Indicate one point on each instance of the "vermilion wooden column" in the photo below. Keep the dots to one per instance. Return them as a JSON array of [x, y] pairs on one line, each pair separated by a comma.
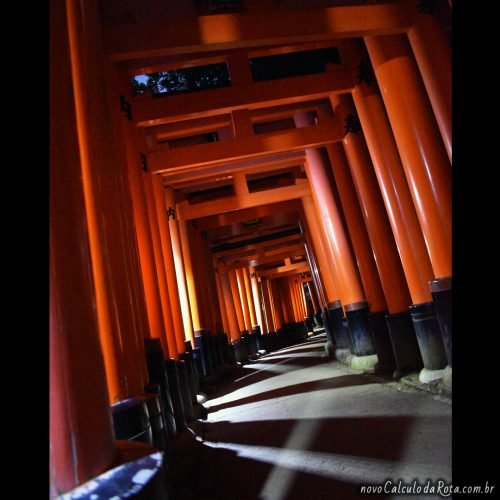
[[378, 227], [428, 173], [222, 305], [234, 329], [431, 47], [278, 308], [238, 343], [236, 300], [108, 204], [248, 291], [256, 296], [333, 313], [200, 271], [322, 250], [168, 340], [357, 230], [301, 314], [314, 299], [302, 298], [289, 300], [402, 217], [166, 243], [211, 301], [81, 435], [268, 306], [283, 288], [188, 270], [352, 294], [243, 299], [264, 325], [424, 159], [318, 286], [179, 270]]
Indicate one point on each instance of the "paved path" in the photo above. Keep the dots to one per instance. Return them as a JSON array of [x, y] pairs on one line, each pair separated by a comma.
[[295, 425]]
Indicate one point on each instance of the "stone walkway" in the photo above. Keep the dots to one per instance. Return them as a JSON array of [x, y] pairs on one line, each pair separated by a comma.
[[296, 425]]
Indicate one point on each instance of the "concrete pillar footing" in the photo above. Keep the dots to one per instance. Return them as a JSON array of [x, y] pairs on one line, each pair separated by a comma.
[[366, 363], [426, 376], [343, 355]]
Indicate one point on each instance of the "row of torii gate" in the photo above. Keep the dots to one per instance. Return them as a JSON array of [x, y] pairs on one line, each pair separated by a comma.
[[359, 234]]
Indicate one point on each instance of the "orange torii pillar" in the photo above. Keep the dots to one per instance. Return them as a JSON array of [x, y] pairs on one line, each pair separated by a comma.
[[302, 297], [82, 439], [222, 304], [402, 217], [81, 435], [224, 336], [352, 294], [168, 341], [166, 243], [201, 335], [199, 264], [301, 314], [278, 308], [185, 359], [357, 230], [288, 289], [119, 300], [234, 315], [283, 287], [432, 51], [260, 326], [244, 298], [272, 340], [382, 242], [209, 297], [268, 312], [428, 173], [332, 314], [179, 266], [255, 328]]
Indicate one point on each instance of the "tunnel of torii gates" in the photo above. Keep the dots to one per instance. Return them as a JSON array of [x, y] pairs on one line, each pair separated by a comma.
[[325, 201]]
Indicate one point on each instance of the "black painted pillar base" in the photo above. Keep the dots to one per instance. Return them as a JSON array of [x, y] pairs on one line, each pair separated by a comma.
[[157, 416], [309, 323], [429, 341], [257, 333], [175, 393], [330, 342], [185, 391], [281, 337], [318, 320], [212, 350], [251, 344], [441, 290], [158, 375], [404, 343], [224, 347], [359, 330], [240, 350], [336, 318], [232, 354], [187, 357], [131, 420], [381, 338], [202, 344], [273, 341], [198, 368], [219, 355]]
